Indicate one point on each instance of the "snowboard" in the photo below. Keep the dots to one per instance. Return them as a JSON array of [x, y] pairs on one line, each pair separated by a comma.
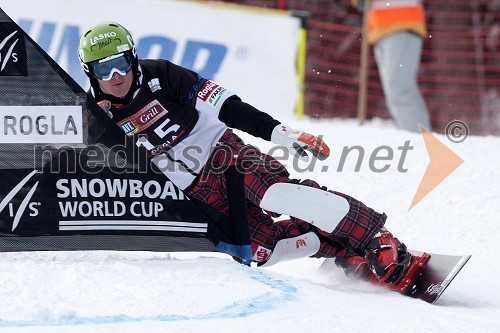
[[436, 276], [432, 279]]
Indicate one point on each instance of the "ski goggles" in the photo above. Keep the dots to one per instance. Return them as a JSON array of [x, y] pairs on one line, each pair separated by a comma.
[[104, 69]]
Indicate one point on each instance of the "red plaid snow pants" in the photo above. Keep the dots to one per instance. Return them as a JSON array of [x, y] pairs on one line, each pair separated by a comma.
[[261, 171]]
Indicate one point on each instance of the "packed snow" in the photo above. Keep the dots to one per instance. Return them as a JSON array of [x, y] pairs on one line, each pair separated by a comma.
[[208, 292]]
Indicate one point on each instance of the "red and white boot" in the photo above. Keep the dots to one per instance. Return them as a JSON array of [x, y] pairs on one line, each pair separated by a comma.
[[393, 266], [387, 256], [386, 262]]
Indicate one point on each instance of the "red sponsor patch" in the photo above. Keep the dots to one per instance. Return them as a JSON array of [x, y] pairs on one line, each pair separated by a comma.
[[145, 117], [206, 90], [261, 254]]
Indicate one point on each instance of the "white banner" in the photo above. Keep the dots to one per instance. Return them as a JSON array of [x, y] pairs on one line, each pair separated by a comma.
[[251, 52], [41, 124]]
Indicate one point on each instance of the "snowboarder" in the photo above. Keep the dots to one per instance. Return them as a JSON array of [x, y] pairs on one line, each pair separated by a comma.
[[184, 121]]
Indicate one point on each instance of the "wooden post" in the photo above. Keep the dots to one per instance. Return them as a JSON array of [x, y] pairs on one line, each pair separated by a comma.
[[364, 66]]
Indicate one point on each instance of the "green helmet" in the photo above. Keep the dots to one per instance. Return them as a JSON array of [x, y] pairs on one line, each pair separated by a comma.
[[104, 40]]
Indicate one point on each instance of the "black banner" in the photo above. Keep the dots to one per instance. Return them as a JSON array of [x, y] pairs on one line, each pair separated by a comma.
[[128, 211], [35, 203]]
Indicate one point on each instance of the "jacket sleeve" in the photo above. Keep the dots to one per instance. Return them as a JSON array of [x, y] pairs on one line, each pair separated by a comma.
[[240, 115]]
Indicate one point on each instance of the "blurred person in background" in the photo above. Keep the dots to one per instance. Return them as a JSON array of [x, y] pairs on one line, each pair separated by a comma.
[[396, 29]]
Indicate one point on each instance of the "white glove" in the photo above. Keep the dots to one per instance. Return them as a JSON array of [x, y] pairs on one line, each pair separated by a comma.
[[298, 142]]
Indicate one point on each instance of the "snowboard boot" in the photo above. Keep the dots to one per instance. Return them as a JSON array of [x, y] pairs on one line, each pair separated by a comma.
[[391, 263], [353, 265], [387, 256]]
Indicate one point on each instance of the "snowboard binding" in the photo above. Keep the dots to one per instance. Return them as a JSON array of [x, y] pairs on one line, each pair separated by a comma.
[[386, 262]]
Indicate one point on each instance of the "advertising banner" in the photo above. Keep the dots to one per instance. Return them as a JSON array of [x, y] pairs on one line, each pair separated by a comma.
[[251, 52], [42, 210], [41, 124]]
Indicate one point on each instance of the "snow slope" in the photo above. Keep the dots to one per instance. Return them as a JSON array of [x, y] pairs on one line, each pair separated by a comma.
[[207, 292]]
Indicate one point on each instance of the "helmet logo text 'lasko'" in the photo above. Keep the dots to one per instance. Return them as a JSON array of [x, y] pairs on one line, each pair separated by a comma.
[[108, 35]]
